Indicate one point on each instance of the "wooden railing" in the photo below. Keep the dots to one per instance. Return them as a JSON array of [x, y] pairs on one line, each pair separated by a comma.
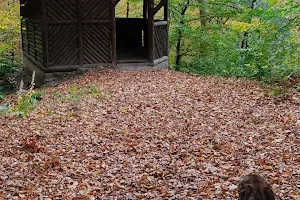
[[160, 39]]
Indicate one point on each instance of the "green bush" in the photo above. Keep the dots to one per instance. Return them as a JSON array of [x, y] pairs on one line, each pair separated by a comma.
[[7, 67], [272, 53], [10, 45], [26, 103]]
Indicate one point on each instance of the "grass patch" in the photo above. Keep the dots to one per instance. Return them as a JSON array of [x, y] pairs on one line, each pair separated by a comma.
[[77, 92], [24, 105]]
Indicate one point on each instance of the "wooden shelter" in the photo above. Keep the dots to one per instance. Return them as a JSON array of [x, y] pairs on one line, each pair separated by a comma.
[[66, 35]]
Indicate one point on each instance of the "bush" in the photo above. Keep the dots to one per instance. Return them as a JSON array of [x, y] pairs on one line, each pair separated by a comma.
[[25, 104], [269, 29], [10, 45]]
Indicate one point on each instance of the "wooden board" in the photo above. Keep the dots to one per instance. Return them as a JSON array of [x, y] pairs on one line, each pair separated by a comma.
[[97, 19], [160, 40], [79, 32], [32, 40]]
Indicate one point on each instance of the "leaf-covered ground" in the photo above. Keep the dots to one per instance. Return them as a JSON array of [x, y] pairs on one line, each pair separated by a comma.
[[153, 135]]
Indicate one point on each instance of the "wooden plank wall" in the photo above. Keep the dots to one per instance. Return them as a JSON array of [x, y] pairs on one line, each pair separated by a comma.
[[160, 40], [32, 44], [62, 34], [97, 22], [79, 32]]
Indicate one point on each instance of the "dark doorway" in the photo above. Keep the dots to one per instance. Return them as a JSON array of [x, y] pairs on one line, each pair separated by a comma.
[[130, 40], [131, 33]]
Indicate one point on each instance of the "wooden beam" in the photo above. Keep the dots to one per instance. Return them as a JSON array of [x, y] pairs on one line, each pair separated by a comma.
[[159, 6], [150, 31], [166, 11], [166, 18], [116, 2], [79, 32], [145, 7], [44, 35], [161, 23], [113, 34]]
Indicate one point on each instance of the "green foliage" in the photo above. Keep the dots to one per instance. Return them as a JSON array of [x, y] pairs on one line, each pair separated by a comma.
[[7, 67], [25, 104], [273, 52], [5, 88], [76, 92], [10, 46], [215, 48]]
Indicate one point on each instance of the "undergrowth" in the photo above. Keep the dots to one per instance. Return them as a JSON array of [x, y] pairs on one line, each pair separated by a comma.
[[77, 92], [24, 104]]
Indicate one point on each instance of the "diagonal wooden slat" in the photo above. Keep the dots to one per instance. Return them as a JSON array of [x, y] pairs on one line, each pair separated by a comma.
[[53, 12], [95, 9], [68, 55], [160, 41], [59, 35], [61, 10], [159, 6], [104, 32], [97, 44], [67, 6], [63, 45], [88, 7], [97, 51], [103, 14]]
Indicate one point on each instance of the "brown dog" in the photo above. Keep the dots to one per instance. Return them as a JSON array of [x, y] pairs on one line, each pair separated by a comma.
[[254, 187]]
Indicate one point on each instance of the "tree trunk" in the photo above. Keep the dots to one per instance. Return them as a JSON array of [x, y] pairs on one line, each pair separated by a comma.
[[178, 49], [246, 34], [179, 40], [203, 12]]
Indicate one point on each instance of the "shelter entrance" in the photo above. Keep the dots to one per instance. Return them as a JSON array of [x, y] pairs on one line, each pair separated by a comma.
[[137, 30], [131, 40]]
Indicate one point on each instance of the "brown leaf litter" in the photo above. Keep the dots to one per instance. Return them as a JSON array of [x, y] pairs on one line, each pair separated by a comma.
[[154, 135]]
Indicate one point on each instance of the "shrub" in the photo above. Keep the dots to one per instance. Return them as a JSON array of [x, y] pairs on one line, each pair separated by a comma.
[[10, 45]]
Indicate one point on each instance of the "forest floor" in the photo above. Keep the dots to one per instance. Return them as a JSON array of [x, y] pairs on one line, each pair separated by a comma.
[[150, 135]]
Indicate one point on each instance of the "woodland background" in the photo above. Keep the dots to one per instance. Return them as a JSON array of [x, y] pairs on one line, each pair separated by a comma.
[[257, 39]]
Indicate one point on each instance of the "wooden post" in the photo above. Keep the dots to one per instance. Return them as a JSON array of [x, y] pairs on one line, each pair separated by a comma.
[[166, 18], [34, 39], [145, 6], [27, 32], [44, 30], [159, 5], [166, 11], [113, 34], [145, 16], [150, 30], [79, 32]]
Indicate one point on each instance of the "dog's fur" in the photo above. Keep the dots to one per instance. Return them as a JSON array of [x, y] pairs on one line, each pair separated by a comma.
[[254, 187]]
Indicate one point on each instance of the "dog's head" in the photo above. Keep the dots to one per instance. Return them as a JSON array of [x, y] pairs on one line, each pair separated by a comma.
[[254, 187]]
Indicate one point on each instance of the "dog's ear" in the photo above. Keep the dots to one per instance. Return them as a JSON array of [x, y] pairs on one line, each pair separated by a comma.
[[269, 193], [244, 191]]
